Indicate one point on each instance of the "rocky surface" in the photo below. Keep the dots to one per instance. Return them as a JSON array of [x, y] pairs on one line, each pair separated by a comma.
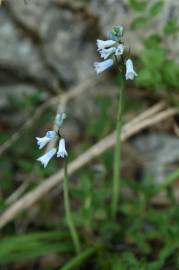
[[50, 44], [160, 155], [59, 38]]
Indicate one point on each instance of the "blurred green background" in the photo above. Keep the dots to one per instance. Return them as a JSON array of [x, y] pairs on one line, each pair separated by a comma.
[[47, 49]]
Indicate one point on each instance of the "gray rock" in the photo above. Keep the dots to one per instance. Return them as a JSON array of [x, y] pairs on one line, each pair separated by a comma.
[[160, 153], [19, 56], [30, 15], [50, 44], [63, 37], [114, 12], [63, 48]]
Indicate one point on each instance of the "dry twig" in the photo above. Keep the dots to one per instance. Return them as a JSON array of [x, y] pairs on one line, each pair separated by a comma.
[[17, 193], [33, 196], [149, 112]]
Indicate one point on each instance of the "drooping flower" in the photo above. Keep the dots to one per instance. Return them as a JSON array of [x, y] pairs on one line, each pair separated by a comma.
[[41, 142], [130, 73], [102, 44], [119, 50], [61, 149], [105, 53], [101, 66], [47, 157]]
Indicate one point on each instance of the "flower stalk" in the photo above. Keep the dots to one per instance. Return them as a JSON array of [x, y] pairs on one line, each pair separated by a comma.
[[113, 51], [117, 149], [70, 223]]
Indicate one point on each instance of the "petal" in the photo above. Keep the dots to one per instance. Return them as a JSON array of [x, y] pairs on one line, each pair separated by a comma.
[[101, 44], [101, 66], [41, 142], [47, 157], [61, 149], [51, 134]]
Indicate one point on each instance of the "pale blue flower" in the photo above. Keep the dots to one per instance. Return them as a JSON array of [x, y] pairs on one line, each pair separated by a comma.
[[60, 117], [61, 149], [102, 44], [47, 157], [105, 53], [101, 66], [111, 36], [41, 142], [119, 50], [51, 134], [130, 73]]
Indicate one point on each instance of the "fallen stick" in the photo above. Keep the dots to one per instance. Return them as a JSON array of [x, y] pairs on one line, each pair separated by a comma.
[[33, 196], [147, 113]]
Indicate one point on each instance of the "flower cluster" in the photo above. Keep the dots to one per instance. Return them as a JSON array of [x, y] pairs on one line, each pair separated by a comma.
[[112, 51], [49, 136]]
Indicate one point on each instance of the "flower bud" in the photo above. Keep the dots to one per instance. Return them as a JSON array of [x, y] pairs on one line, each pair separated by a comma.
[[118, 31]]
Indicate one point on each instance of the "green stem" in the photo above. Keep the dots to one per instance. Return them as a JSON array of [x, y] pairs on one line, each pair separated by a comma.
[[75, 263], [168, 180], [117, 151], [71, 226]]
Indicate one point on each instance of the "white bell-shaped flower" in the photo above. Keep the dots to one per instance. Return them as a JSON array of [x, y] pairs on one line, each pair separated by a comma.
[[130, 73], [61, 149], [41, 142], [105, 53], [119, 50], [102, 44], [101, 66], [47, 157]]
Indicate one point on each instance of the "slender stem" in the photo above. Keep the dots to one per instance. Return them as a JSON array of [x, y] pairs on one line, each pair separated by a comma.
[[117, 150], [168, 180], [71, 226], [76, 262]]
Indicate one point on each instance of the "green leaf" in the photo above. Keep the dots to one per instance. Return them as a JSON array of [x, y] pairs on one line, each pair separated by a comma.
[[153, 58], [171, 27], [23, 247], [144, 78], [171, 74], [25, 165], [152, 41], [138, 23], [148, 78], [156, 8], [137, 5]]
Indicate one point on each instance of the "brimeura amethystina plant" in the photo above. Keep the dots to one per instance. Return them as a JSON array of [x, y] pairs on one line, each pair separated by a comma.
[[60, 152], [113, 51]]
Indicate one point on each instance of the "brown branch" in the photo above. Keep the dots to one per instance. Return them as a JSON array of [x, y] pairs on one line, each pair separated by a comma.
[[149, 112]]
